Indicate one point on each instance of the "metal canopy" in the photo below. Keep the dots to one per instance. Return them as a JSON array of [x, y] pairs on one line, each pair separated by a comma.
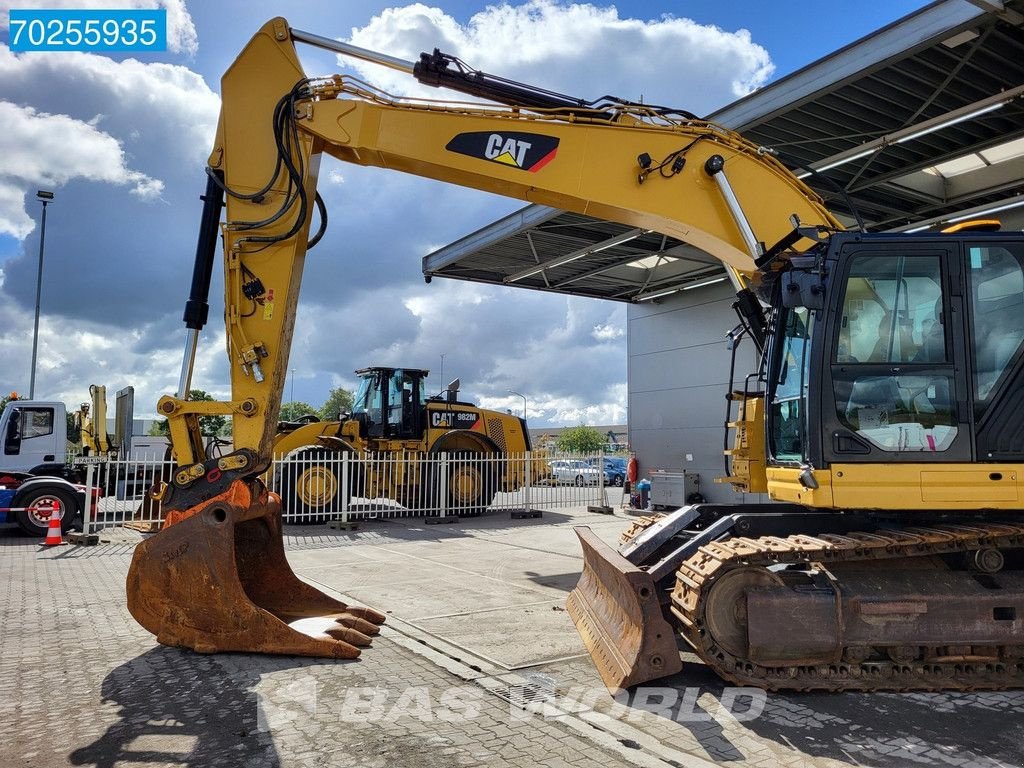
[[908, 127]]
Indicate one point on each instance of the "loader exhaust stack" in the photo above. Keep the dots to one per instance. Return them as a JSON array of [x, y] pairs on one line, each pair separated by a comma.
[[216, 579], [616, 610]]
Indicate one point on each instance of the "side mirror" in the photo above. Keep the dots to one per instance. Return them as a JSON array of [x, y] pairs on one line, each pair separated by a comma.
[[453, 390], [12, 440]]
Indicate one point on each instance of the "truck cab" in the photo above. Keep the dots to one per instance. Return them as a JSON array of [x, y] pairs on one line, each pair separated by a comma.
[[35, 434]]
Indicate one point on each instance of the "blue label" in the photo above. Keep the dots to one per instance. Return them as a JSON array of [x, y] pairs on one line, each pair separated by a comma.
[[88, 30]]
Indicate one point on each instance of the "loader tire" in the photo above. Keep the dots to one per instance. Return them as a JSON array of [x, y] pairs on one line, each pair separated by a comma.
[[423, 496], [311, 487], [471, 484]]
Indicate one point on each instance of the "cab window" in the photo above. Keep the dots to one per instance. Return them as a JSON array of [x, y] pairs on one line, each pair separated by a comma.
[[892, 313], [997, 312], [36, 422], [789, 401]]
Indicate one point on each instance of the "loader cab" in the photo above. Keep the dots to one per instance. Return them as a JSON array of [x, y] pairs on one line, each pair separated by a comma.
[[391, 402], [913, 353]]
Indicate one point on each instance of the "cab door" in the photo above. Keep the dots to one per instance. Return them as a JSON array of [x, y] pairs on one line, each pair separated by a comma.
[[895, 387], [995, 292]]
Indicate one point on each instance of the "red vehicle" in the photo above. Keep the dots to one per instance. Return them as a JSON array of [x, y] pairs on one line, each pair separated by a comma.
[[28, 501]]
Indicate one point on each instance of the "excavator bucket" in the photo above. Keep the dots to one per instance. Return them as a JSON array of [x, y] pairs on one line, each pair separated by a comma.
[[616, 610], [215, 579]]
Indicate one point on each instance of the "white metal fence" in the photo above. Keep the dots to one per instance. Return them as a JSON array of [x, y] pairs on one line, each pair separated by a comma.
[[318, 486]]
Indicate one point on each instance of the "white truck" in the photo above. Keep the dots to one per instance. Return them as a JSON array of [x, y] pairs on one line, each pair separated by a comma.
[[34, 462]]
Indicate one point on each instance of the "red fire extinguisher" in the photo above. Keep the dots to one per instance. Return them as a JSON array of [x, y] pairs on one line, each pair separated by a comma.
[[631, 469]]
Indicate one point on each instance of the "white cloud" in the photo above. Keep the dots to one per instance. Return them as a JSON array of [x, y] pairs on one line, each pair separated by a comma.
[[581, 49], [181, 31], [170, 105], [117, 268], [14, 220], [50, 150], [607, 332]]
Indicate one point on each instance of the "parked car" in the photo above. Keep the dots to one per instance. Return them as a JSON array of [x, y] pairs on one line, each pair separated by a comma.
[[614, 470], [573, 472]]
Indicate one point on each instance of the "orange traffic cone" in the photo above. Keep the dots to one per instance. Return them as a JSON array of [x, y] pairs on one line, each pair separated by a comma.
[[54, 535]]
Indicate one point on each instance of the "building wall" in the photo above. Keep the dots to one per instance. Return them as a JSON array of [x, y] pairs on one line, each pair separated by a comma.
[[678, 375]]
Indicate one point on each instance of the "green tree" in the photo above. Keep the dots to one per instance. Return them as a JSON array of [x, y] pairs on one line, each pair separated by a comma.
[[580, 440], [338, 402], [74, 431], [295, 410], [208, 425]]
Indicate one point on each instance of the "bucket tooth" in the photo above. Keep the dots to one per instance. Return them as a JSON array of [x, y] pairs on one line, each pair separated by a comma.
[[216, 579], [616, 610]]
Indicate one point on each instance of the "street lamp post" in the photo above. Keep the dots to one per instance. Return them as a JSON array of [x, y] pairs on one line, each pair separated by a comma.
[[45, 198], [517, 394]]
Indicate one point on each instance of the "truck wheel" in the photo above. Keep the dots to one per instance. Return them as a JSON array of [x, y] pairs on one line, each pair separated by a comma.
[[36, 523], [471, 484], [311, 487]]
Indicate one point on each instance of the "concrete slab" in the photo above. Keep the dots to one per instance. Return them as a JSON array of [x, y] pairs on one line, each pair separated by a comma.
[[428, 591], [487, 633], [545, 570]]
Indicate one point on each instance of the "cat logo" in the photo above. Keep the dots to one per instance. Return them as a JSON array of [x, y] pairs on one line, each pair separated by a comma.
[[526, 151], [453, 419]]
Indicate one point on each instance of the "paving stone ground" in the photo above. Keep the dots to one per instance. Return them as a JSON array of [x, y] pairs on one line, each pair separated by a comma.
[[82, 684]]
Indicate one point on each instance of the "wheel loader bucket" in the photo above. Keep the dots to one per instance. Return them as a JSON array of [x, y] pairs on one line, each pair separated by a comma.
[[616, 610], [215, 579]]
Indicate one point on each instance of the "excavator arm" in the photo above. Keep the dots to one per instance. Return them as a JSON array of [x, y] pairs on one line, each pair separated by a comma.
[[215, 578]]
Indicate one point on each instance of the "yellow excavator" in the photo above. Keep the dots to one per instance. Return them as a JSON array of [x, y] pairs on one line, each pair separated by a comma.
[[883, 422], [395, 430]]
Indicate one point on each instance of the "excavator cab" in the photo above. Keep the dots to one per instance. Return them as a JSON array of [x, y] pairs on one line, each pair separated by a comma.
[[892, 363]]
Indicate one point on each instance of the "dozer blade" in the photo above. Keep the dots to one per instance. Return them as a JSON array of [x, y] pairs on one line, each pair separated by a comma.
[[616, 611], [216, 579]]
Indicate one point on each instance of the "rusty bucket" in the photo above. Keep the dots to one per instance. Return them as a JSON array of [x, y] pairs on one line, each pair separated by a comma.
[[616, 610], [215, 579]]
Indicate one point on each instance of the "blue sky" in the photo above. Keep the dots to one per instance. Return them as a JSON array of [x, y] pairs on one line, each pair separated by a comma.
[[122, 143], [795, 32]]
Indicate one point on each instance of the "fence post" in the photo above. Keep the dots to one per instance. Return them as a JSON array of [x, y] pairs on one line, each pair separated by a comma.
[[345, 494], [89, 498], [602, 500], [529, 479], [442, 501]]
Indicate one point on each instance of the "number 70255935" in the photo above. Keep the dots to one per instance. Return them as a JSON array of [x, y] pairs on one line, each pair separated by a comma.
[[95, 30]]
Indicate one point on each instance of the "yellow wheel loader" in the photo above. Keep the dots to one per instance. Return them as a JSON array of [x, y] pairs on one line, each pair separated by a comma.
[[396, 434], [883, 421]]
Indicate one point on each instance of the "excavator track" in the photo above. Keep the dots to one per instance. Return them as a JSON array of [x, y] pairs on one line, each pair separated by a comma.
[[949, 667]]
